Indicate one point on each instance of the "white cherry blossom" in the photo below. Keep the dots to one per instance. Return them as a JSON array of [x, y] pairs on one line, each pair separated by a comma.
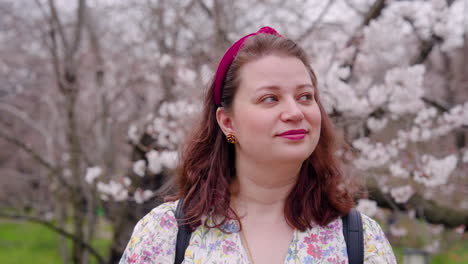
[[142, 196], [154, 162], [398, 171], [113, 189], [436, 171], [92, 173], [139, 167], [133, 134], [407, 90], [367, 207], [375, 124], [402, 194]]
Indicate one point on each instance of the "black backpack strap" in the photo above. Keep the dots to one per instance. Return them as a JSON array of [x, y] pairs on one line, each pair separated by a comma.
[[353, 235], [183, 234]]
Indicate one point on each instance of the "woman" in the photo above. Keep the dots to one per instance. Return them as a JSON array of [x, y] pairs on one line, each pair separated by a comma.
[[259, 177]]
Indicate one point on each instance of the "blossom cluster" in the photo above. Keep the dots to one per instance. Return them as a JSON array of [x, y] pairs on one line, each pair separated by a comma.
[[402, 194], [367, 207], [427, 126], [117, 190], [157, 162], [168, 130], [435, 171]]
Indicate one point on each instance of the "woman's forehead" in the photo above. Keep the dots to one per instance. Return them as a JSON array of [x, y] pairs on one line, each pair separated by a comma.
[[275, 72]]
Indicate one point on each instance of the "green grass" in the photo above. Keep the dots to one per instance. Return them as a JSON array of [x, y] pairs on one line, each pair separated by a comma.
[[456, 254], [22, 242], [27, 243]]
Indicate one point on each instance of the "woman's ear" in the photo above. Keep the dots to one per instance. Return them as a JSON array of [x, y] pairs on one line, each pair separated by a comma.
[[225, 121]]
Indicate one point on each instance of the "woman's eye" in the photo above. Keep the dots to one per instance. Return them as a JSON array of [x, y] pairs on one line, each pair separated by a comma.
[[269, 99], [306, 97]]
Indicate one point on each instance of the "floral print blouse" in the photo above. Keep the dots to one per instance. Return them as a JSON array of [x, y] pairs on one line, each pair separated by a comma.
[[154, 241]]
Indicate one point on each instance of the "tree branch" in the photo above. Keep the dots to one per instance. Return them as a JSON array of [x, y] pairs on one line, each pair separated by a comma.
[[428, 210], [55, 23], [205, 8], [428, 45], [54, 170], [30, 151], [315, 23], [53, 49], [96, 48], [78, 30], [426, 48], [23, 116], [374, 12], [352, 6], [439, 107], [355, 39]]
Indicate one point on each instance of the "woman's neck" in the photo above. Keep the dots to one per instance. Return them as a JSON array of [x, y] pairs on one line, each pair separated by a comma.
[[262, 189]]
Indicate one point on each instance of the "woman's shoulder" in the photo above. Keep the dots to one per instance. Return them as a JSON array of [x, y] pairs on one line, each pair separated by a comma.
[[371, 228], [162, 216], [164, 209], [154, 236], [377, 249], [369, 224]]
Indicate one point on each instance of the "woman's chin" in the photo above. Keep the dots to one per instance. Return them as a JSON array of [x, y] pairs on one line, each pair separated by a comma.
[[292, 157]]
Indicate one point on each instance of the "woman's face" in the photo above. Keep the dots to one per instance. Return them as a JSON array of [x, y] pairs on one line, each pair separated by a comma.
[[274, 115]]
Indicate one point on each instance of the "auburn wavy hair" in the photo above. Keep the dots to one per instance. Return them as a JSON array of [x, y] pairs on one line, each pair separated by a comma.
[[207, 168]]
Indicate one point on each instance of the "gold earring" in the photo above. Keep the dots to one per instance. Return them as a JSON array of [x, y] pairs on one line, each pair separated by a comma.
[[231, 139]]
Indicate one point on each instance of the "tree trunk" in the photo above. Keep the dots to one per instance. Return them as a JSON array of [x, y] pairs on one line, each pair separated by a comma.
[[62, 216]]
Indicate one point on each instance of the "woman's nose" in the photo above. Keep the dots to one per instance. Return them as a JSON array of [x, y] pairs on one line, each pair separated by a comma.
[[292, 111]]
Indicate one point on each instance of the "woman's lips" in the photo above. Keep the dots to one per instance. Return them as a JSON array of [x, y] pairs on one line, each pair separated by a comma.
[[296, 134]]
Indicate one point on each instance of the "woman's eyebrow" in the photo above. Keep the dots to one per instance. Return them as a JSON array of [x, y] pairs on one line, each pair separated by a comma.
[[268, 87], [305, 86], [275, 87]]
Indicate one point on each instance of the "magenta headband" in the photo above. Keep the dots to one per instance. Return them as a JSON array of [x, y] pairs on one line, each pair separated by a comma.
[[229, 57]]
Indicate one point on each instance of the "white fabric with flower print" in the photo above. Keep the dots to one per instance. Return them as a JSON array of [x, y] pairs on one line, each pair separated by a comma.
[[154, 240]]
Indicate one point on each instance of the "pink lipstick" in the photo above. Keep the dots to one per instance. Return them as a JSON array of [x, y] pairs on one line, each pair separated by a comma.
[[296, 134]]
